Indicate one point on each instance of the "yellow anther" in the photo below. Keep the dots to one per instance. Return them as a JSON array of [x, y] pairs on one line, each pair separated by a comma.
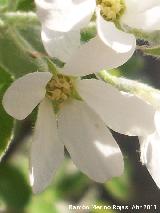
[[111, 10], [59, 88]]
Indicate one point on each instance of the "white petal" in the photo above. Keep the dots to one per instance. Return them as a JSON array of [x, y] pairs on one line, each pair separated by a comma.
[[63, 15], [25, 94], [150, 156], [113, 37], [148, 20], [93, 57], [157, 121], [89, 142], [136, 6], [47, 151], [60, 44], [122, 112]]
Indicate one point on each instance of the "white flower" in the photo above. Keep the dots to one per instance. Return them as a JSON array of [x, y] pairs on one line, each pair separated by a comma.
[[79, 125], [136, 14], [150, 151], [62, 21]]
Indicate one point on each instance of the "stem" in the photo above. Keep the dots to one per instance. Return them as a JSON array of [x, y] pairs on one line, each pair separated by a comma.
[[141, 90], [20, 19]]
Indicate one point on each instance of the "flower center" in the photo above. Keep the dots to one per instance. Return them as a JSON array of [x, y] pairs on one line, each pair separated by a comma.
[[59, 88], [111, 10]]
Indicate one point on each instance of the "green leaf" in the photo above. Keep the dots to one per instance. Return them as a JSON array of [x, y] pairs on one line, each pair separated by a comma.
[[6, 122], [3, 2], [17, 55], [14, 190], [132, 67], [44, 202], [21, 5], [25, 5], [120, 187], [72, 186], [14, 59]]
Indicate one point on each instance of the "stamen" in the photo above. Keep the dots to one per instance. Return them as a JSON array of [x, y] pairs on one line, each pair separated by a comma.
[[111, 10], [59, 88]]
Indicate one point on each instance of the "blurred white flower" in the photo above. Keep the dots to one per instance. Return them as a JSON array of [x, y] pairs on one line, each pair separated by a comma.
[[79, 124], [62, 21], [150, 151]]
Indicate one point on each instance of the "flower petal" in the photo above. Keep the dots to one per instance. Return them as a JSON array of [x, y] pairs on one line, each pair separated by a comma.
[[148, 20], [150, 156], [157, 121], [47, 151], [93, 57], [63, 15], [25, 94], [124, 113], [60, 44], [136, 6], [89, 142], [118, 40]]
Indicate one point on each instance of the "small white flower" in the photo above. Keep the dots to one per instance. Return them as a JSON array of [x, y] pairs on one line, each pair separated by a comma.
[[62, 21], [136, 14], [150, 151], [79, 125]]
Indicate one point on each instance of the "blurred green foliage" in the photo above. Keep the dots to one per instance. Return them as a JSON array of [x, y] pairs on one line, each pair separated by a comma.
[[23, 5], [14, 190], [120, 187]]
